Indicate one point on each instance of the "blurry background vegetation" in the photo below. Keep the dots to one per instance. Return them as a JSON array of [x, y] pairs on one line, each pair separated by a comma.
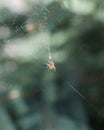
[[33, 98]]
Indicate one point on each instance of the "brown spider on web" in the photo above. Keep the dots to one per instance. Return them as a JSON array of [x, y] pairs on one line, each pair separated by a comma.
[[51, 65]]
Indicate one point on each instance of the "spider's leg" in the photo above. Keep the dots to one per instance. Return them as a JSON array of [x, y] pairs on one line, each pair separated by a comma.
[[54, 68], [47, 66]]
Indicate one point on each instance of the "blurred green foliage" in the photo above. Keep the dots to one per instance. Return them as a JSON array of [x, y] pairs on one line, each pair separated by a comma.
[[32, 96]]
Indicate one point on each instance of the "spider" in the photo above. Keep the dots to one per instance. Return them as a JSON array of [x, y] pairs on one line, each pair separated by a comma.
[[51, 65]]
